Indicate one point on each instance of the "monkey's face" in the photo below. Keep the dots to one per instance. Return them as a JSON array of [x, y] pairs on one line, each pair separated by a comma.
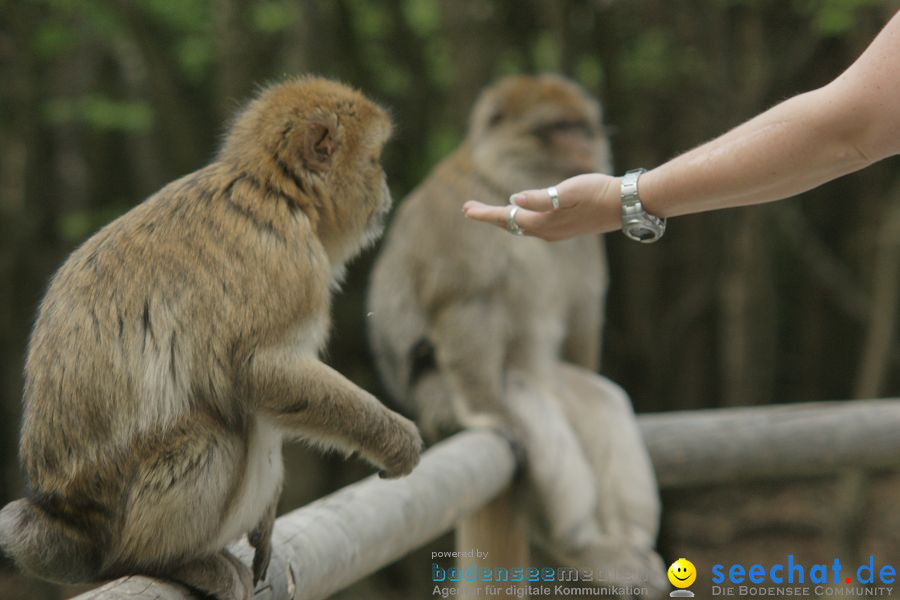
[[359, 198], [367, 198], [381, 202], [326, 139], [536, 131]]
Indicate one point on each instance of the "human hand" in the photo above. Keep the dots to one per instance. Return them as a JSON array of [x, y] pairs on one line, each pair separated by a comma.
[[587, 204]]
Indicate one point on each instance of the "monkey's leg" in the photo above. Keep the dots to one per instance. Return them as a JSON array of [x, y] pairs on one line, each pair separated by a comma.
[[600, 413], [625, 563], [176, 505], [629, 507], [320, 404], [470, 350], [222, 576], [261, 539], [556, 465], [582, 345]]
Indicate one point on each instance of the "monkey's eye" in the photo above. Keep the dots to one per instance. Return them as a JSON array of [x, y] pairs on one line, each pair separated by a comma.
[[495, 119], [548, 130]]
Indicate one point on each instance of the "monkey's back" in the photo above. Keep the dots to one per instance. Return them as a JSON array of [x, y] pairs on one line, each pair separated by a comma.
[[142, 328]]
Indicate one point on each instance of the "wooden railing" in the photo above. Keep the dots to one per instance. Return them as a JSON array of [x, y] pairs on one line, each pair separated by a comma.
[[327, 545]]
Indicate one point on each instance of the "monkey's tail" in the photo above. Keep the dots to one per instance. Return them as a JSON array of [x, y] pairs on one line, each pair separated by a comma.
[[46, 546]]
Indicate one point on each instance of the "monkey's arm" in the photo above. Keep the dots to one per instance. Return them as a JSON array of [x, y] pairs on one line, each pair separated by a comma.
[[304, 395]]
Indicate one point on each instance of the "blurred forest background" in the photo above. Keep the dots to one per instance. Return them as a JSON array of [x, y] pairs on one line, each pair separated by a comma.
[[104, 101]]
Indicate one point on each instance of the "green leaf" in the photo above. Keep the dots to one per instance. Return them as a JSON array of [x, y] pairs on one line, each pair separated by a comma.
[[53, 38], [589, 72], [546, 52], [76, 225], [443, 140], [837, 17], [369, 19], [442, 67], [273, 16], [649, 62], [508, 62], [424, 16], [106, 113], [185, 15], [195, 55], [101, 112]]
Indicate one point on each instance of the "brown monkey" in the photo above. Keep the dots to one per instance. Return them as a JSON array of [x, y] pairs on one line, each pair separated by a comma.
[[469, 323], [178, 346], [526, 302]]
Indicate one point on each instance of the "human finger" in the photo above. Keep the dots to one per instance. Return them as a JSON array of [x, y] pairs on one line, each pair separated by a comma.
[[543, 200], [486, 213], [528, 221]]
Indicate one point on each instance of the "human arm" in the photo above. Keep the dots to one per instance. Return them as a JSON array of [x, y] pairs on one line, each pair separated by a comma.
[[797, 145]]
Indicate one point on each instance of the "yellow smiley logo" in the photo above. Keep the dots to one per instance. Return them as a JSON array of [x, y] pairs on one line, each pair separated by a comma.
[[682, 573]]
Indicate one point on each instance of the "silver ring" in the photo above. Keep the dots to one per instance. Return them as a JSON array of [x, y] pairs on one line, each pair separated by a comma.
[[511, 224], [554, 196]]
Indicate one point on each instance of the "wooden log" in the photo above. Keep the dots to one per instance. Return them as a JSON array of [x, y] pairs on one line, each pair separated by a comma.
[[341, 538], [708, 447], [501, 530]]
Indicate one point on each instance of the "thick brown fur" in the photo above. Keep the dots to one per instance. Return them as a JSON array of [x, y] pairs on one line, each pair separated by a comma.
[[178, 346], [469, 322]]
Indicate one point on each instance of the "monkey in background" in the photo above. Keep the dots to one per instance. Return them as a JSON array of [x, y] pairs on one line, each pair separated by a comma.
[[469, 323], [177, 347], [526, 302]]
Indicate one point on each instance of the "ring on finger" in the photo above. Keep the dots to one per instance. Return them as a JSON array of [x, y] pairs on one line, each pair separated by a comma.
[[511, 224], [554, 196]]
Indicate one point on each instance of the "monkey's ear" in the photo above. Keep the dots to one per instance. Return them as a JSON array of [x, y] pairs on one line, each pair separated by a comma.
[[320, 142]]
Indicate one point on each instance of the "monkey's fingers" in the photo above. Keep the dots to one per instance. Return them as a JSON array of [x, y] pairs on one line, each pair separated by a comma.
[[404, 448]]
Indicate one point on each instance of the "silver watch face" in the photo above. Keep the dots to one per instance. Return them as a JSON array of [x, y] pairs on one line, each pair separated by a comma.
[[642, 234], [642, 230]]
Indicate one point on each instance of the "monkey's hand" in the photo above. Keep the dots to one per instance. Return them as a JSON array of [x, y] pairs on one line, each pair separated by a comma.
[[306, 395], [402, 450]]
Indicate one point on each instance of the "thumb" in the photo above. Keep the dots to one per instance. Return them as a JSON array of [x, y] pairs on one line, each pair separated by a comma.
[[536, 200]]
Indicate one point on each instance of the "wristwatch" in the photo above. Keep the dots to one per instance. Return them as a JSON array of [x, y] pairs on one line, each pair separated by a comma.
[[637, 223]]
